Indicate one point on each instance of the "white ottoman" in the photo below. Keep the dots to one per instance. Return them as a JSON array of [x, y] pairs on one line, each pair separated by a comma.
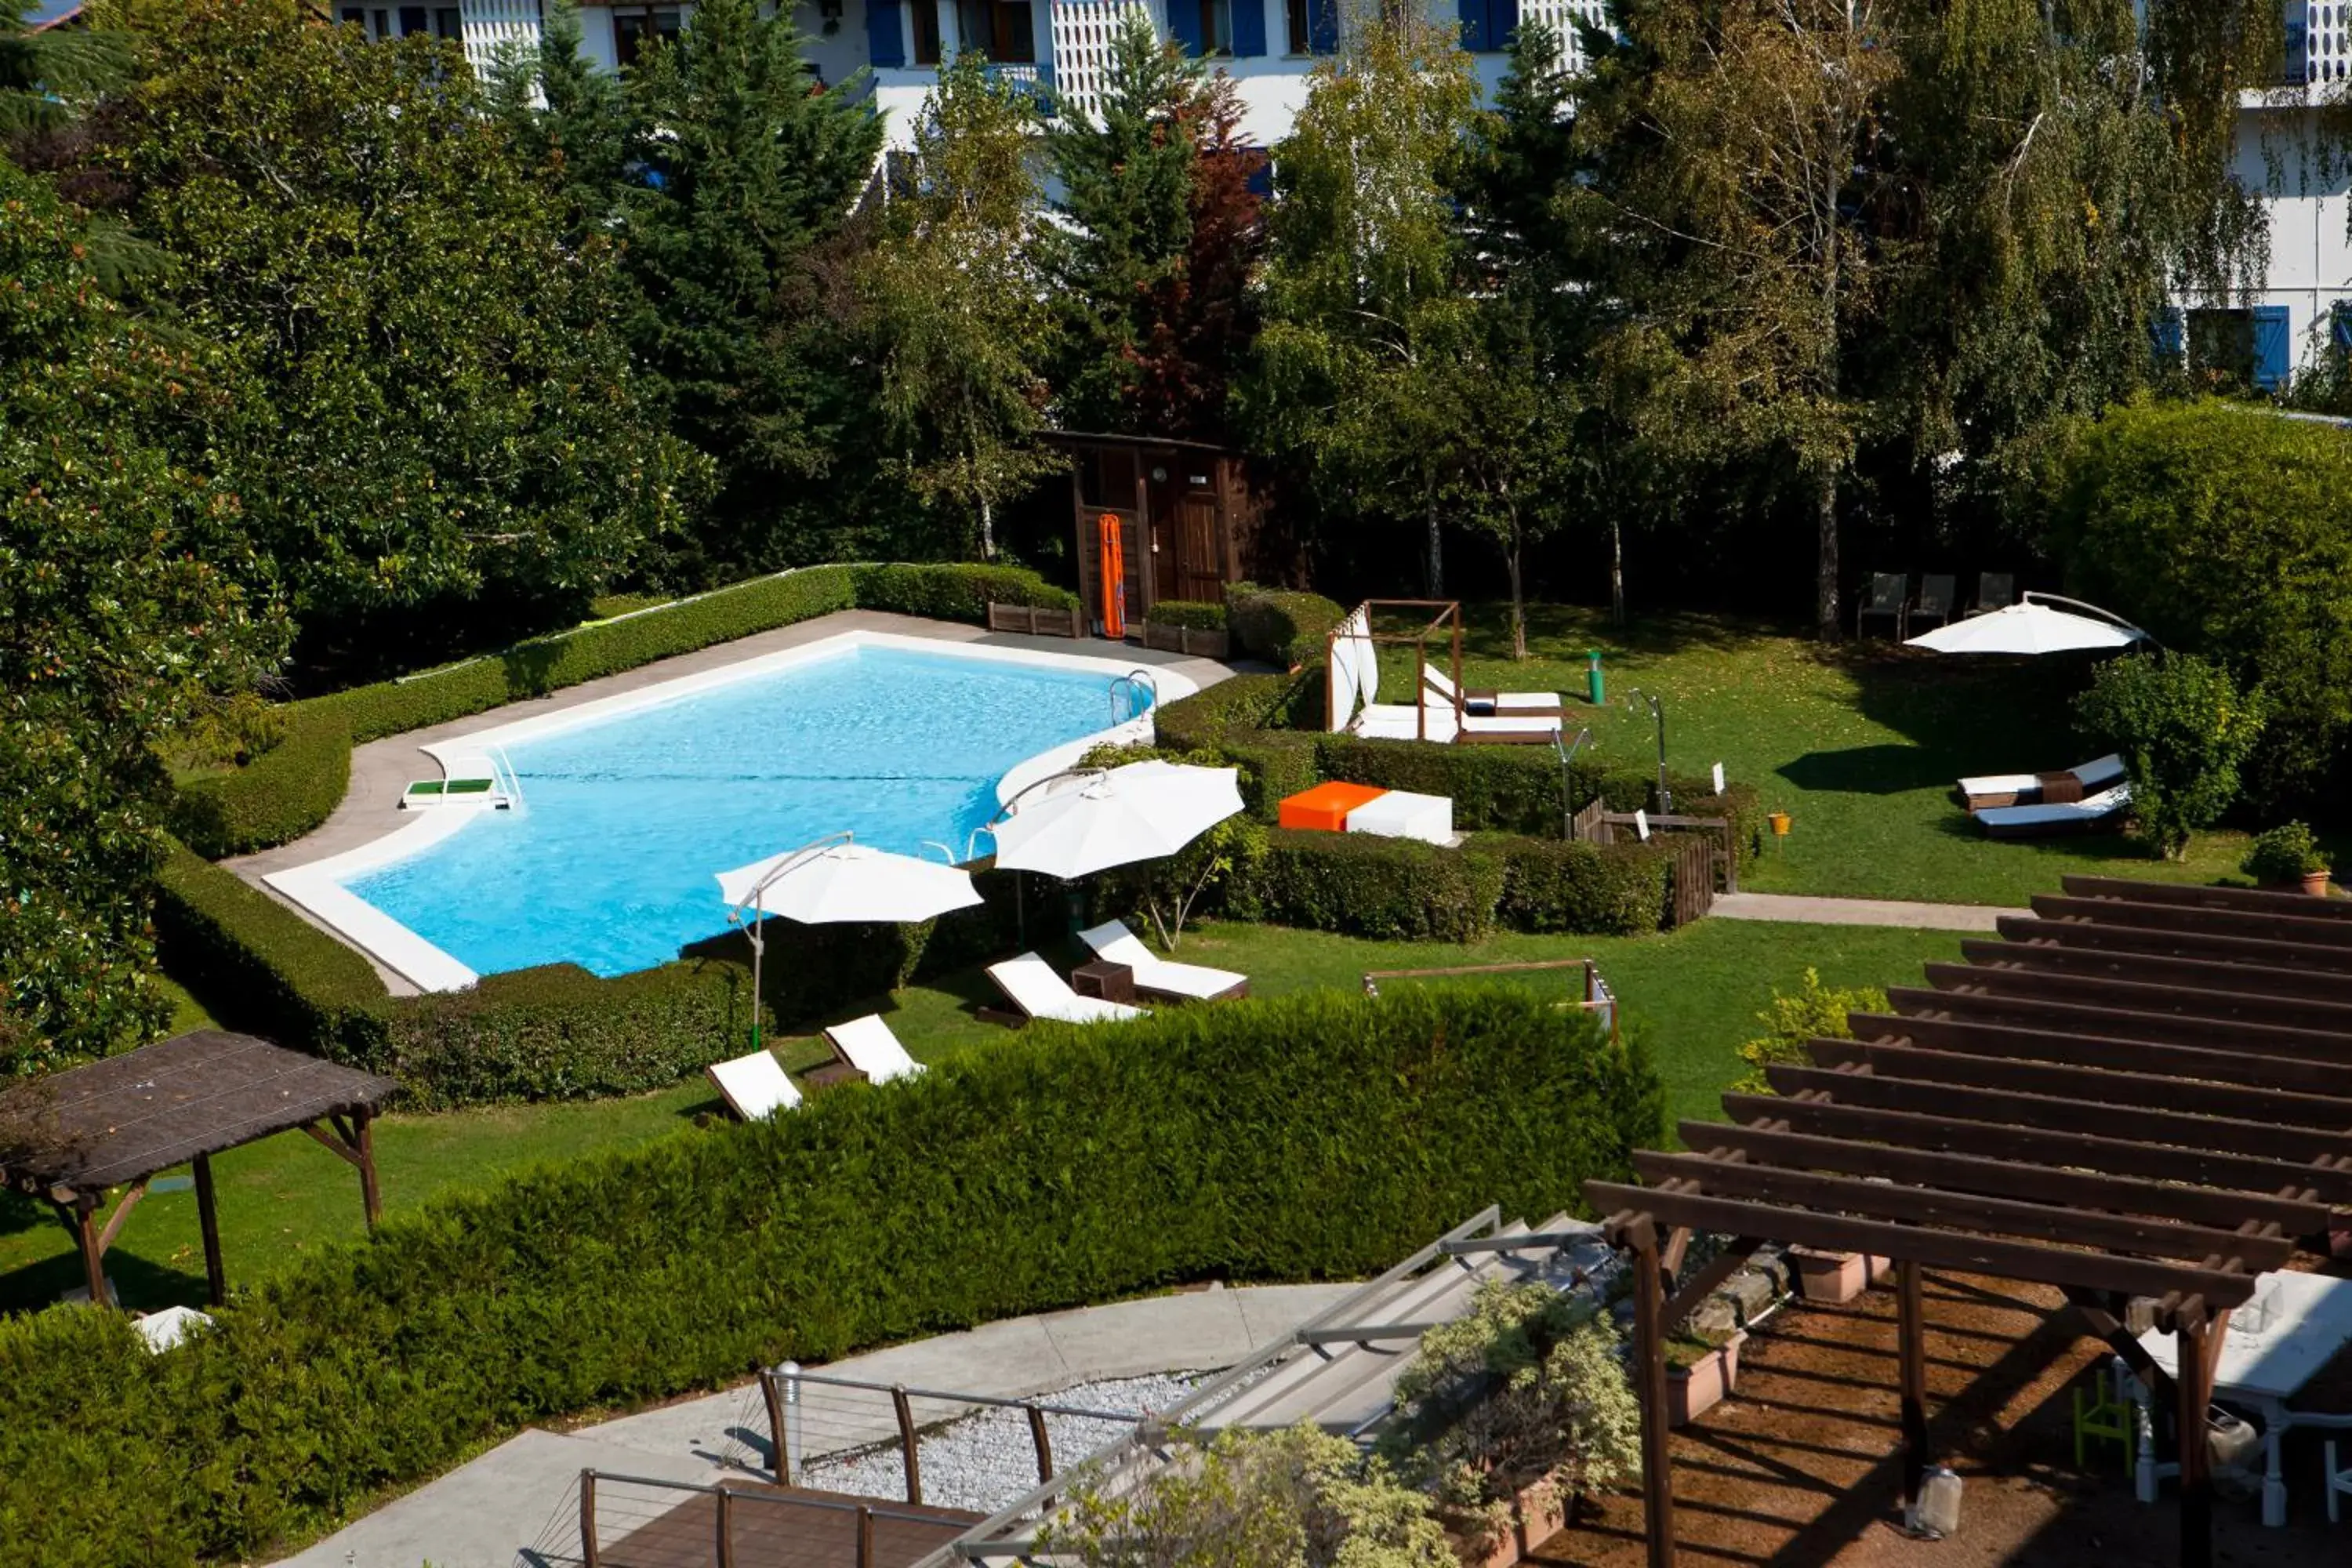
[[1400, 813]]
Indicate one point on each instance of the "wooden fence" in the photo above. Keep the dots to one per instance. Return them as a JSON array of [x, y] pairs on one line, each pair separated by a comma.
[[1705, 852]]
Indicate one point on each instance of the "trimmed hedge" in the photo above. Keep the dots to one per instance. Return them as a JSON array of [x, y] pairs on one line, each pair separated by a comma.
[[1589, 890], [1285, 628], [952, 593], [278, 796], [1393, 888], [1201, 614], [1315, 1137]]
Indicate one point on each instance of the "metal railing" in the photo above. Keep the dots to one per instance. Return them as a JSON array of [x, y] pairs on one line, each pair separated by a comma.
[[645, 1521], [1136, 683]]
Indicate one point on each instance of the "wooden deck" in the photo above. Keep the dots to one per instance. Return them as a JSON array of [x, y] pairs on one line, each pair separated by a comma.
[[781, 1527]]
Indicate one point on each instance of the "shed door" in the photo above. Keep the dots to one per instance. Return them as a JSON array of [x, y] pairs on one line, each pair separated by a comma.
[[1200, 567]]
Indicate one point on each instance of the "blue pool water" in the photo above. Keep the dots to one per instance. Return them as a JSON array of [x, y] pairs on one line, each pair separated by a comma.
[[609, 862]]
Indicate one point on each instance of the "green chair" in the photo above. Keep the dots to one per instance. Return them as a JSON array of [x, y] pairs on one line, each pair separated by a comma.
[[2101, 1412]]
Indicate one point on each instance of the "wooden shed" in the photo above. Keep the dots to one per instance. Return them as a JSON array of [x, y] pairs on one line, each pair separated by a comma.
[[1186, 516]]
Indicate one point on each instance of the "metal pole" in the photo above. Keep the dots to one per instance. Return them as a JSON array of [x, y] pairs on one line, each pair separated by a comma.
[[907, 1444], [726, 1512], [1665, 795], [759, 947], [864, 1537], [778, 1456], [1043, 1445]]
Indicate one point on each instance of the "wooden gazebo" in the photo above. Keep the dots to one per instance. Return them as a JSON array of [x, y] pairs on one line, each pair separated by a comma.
[[2141, 1096], [1186, 517], [70, 1137]]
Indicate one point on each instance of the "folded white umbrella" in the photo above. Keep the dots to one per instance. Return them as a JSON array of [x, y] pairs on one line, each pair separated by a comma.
[[2030, 626], [824, 883], [1140, 812]]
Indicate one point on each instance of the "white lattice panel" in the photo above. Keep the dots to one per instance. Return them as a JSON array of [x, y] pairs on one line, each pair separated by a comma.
[[492, 25], [2327, 42], [1082, 32], [1562, 16]]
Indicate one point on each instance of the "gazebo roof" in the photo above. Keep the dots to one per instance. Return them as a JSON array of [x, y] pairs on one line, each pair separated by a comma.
[[162, 1105]]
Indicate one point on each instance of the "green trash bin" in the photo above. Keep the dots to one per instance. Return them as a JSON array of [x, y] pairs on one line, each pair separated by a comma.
[[1593, 687]]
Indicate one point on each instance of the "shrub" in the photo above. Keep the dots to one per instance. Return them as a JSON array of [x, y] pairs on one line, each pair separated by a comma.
[[2183, 730], [1285, 628], [2225, 532], [2287, 853], [952, 593], [282, 793], [1310, 1137], [1199, 614], [1586, 890], [1393, 888], [1815, 1012]]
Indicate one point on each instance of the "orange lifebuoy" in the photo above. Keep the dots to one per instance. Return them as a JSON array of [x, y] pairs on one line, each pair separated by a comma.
[[1114, 576]]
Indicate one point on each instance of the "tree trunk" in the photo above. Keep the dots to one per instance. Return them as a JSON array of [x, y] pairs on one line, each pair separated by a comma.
[[1518, 601], [1436, 552], [1616, 570], [1826, 575], [987, 531]]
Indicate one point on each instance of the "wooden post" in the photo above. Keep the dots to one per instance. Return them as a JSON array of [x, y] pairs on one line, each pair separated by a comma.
[[588, 1520], [865, 1536], [1650, 1370], [1911, 1332], [94, 1260], [907, 1443], [364, 1130], [781, 1458], [1043, 1445], [208, 1221], [726, 1512], [2192, 1379]]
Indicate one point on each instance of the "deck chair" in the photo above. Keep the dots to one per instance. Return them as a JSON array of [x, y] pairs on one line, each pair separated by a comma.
[[866, 1046], [1158, 976], [1936, 592], [1995, 591], [1480, 701], [2031, 789], [1889, 591], [2035, 821], [754, 1086], [1030, 984], [1395, 721]]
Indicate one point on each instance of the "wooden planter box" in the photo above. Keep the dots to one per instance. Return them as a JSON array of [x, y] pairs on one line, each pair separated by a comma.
[[1692, 1391], [1835, 1278], [1539, 1513], [1187, 640], [1034, 619]]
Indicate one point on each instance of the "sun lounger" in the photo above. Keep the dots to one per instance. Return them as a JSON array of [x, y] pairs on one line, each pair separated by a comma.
[[868, 1047], [1158, 976], [1030, 984], [754, 1086], [1395, 721], [2032, 821], [1480, 701], [2043, 789]]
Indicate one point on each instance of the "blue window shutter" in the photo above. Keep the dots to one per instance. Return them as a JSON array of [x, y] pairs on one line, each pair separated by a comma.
[[1323, 27], [886, 34], [1473, 26], [2273, 350], [1502, 21], [1249, 28], [2169, 334], [2340, 324], [1184, 24]]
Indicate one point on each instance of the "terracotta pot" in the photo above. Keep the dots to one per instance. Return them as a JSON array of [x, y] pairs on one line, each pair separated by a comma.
[[1694, 1390], [2316, 883], [1780, 821], [1834, 1278]]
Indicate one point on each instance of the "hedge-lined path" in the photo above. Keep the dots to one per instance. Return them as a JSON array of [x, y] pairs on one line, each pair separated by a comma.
[[524, 1493], [383, 770], [1797, 910]]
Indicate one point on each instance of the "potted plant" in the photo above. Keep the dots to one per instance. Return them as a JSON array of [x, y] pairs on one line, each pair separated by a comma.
[[2288, 856], [1700, 1375]]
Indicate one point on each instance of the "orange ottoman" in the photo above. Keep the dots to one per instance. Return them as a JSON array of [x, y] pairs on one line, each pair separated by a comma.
[[1326, 806]]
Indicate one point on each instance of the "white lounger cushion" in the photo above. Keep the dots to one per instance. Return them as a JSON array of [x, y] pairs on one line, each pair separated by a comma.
[[755, 1085], [868, 1045], [2093, 777], [2090, 808], [1442, 685], [1401, 814], [1117, 944], [1033, 986], [1395, 721]]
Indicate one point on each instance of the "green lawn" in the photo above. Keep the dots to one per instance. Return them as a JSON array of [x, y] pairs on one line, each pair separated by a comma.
[[1860, 745], [1696, 993]]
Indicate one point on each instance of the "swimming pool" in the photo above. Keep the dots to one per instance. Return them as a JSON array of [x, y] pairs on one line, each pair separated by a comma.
[[631, 805]]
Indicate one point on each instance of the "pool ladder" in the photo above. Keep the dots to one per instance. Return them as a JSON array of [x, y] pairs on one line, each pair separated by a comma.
[[1136, 683]]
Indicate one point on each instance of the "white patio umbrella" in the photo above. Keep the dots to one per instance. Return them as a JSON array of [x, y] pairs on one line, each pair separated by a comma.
[[2032, 626], [838, 879], [1072, 826]]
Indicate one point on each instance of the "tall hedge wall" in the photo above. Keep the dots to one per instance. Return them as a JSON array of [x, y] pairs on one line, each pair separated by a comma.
[[1311, 1137]]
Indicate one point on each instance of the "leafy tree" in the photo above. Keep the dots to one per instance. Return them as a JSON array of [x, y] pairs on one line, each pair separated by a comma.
[[954, 307], [1361, 297], [45, 76], [566, 117], [119, 611], [2183, 730], [427, 400]]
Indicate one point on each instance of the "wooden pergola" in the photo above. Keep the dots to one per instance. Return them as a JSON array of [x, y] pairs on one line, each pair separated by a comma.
[[70, 1137], [2142, 1095]]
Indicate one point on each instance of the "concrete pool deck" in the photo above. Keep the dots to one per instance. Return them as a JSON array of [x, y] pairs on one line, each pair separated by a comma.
[[383, 770]]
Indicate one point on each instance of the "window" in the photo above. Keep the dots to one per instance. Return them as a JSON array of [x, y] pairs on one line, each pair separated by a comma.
[[1001, 29], [412, 19], [2245, 348], [1203, 26], [1314, 26], [356, 16], [449, 21], [927, 32], [635, 31]]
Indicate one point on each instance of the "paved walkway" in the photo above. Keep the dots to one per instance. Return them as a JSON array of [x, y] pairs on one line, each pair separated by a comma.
[[516, 1503], [1859, 911]]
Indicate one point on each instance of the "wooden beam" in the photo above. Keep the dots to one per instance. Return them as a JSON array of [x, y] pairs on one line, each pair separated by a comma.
[[2204, 896], [910, 1454], [1650, 1373], [2078, 934], [2142, 996], [780, 1455], [2103, 1087], [1962, 1211], [1968, 1254], [2119, 1024], [2192, 1381], [208, 1222], [1722, 1266], [2224, 1064], [93, 1256], [2057, 1114], [2319, 932], [332, 1145], [363, 1139], [2002, 1140], [1911, 1347], [122, 1213], [2008, 1178], [2162, 969], [588, 1557]]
